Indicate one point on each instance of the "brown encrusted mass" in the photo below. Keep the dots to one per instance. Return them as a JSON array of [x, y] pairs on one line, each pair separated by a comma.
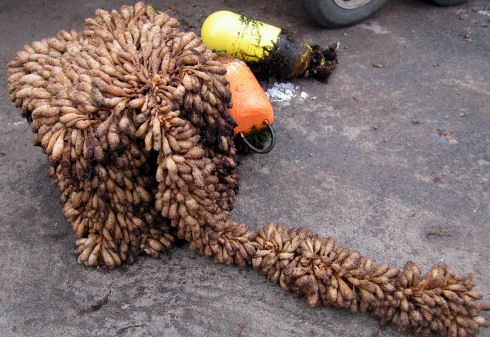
[[133, 116]]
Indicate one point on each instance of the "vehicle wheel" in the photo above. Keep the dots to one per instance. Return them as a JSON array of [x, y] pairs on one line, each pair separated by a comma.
[[339, 13], [449, 2]]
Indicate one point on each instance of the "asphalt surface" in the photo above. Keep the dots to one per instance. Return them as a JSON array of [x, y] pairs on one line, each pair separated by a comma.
[[392, 160]]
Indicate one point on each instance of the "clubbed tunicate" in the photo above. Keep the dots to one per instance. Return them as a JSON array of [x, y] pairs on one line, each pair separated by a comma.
[[133, 116]]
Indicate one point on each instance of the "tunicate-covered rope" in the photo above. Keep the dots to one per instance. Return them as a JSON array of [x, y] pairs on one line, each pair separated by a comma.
[[306, 264]]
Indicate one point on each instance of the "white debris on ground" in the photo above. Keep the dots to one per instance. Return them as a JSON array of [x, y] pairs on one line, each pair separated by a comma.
[[16, 123], [482, 12], [285, 92], [282, 92]]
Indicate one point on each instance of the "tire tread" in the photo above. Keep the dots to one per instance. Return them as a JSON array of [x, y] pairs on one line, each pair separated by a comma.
[[327, 14]]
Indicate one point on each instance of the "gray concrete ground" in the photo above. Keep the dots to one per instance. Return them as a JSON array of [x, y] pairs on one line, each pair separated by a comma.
[[351, 163]]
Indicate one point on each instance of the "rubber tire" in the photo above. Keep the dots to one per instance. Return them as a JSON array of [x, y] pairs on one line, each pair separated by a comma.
[[327, 14], [449, 2]]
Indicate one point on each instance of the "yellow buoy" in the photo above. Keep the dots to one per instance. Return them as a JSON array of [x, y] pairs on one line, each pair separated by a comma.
[[269, 49], [238, 36]]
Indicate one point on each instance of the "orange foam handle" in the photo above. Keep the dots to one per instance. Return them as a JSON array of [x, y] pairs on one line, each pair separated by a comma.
[[251, 107]]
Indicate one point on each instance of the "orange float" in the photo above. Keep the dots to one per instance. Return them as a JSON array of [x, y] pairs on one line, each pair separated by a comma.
[[251, 108]]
